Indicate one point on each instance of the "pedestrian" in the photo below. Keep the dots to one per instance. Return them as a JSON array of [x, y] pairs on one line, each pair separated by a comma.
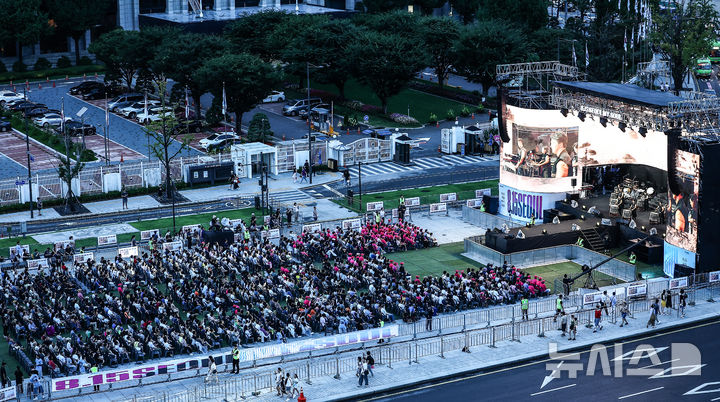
[[303, 176], [124, 196], [663, 302], [371, 363], [279, 381], [613, 302], [563, 323], [236, 360], [363, 373], [39, 206], [19, 380], [429, 320], [35, 385], [295, 176], [4, 379], [39, 365], [382, 215], [682, 302], [296, 211], [624, 310], [654, 311], [524, 306], [598, 318], [558, 308], [358, 371], [288, 385], [605, 300], [212, 371], [289, 214], [573, 328], [294, 390], [315, 213], [668, 302]]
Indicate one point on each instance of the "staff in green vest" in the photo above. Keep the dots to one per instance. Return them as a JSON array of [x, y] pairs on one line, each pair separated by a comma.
[[402, 200], [236, 360], [524, 306], [579, 242], [633, 258], [93, 370], [482, 206]]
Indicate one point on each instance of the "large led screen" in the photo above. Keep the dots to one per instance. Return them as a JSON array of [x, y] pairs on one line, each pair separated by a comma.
[[682, 211]]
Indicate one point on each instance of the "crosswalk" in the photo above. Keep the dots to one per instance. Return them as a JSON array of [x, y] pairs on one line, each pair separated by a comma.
[[289, 196], [419, 164]]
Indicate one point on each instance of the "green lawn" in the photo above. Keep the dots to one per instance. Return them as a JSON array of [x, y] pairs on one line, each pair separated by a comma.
[[433, 261], [647, 270], [556, 271], [421, 104], [165, 224], [428, 195]]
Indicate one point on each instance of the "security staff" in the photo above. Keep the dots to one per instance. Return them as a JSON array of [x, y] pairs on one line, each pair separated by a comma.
[[236, 360], [524, 306]]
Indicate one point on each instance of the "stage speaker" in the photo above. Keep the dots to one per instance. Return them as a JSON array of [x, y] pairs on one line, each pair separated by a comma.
[[491, 204], [549, 214], [220, 237], [573, 182], [572, 196], [683, 270], [502, 94]]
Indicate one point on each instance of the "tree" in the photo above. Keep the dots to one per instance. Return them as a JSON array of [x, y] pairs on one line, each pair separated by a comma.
[[467, 9], [123, 54], [386, 63], [69, 171], [382, 6], [251, 34], [399, 23], [426, 7], [24, 22], [528, 15], [77, 16], [483, 46], [684, 32], [182, 56], [292, 40], [165, 140], [439, 36], [248, 80], [259, 128]]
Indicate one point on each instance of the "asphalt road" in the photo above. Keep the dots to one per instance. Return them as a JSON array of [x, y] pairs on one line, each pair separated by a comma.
[[523, 382]]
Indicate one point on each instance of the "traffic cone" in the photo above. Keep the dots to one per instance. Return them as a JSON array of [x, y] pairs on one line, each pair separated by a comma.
[[96, 76], [53, 84], [47, 79], [84, 76], [473, 116], [283, 137], [67, 77], [358, 129], [437, 124], [122, 158], [39, 86], [302, 398]]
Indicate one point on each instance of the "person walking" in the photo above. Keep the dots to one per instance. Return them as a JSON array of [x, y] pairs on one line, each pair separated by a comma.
[[39, 206], [124, 196], [563, 323], [295, 176], [279, 381], [235, 360], [624, 310], [303, 176], [573, 328], [294, 389], [363, 373], [663, 302], [212, 371], [371, 363], [605, 301], [524, 306], [19, 380], [315, 213], [558, 308], [654, 311], [4, 379], [598, 318], [682, 302], [669, 302]]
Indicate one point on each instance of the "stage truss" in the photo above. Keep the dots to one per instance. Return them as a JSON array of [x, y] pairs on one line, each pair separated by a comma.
[[530, 83]]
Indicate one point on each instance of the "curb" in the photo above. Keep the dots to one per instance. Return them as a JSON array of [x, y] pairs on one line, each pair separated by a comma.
[[513, 361]]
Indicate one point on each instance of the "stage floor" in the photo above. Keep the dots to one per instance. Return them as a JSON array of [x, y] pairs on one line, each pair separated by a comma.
[[602, 203]]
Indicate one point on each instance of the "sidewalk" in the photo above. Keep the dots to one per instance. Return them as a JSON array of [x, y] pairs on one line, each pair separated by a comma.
[[281, 183]]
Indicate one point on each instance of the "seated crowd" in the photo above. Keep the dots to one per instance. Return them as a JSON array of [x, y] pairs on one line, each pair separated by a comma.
[[206, 296]]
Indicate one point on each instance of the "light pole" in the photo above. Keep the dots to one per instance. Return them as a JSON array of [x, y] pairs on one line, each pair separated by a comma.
[[307, 69], [27, 149]]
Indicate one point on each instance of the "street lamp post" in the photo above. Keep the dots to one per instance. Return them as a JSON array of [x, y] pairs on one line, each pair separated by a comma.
[[27, 149], [307, 65]]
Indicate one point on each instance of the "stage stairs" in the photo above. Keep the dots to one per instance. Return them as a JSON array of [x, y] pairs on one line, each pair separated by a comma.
[[593, 241]]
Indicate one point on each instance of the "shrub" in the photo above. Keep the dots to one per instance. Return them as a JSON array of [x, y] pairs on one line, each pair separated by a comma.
[[433, 118], [85, 61], [403, 119], [3, 68], [351, 121], [465, 111], [63, 62], [353, 104], [372, 109], [451, 115], [19, 67], [42, 64]]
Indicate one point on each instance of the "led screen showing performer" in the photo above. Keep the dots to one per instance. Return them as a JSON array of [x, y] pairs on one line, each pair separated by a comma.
[[542, 152], [682, 211]]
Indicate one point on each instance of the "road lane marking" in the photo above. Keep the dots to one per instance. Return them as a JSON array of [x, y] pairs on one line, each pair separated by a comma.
[[553, 389], [658, 364], [640, 393], [498, 371]]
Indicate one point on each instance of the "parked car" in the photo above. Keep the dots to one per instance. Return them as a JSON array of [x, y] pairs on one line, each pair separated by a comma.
[[6, 96], [85, 87], [76, 128], [303, 113], [99, 92], [189, 126], [9, 104], [22, 105], [154, 114], [218, 141], [137, 107], [49, 120], [294, 106], [38, 112], [124, 100], [5, 124], [275, 96]]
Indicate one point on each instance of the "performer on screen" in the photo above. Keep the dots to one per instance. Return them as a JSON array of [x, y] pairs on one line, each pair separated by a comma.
[[520, 166], [678, 212], [561, 157], [542, 163]]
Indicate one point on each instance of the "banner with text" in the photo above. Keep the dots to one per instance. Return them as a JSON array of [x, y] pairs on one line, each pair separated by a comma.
[[82, 258], [484, 191], [412, 201], [374, 206], [438, 207], [127, 252], [38, 263], [147, 234], [312, 228], [522, 205], [352, 224], [106, 240], [448, 197]]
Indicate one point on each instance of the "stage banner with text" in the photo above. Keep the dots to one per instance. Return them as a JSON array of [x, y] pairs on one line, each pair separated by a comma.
[[521, 205], [246, 355]]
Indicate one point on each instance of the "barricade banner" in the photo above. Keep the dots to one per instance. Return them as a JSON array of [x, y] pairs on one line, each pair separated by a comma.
[[38, 263], [234, 222], [172, 246], [678, 283], [82, 258], [147, 234], [246, 355], [191, 227], [352, 224], [25, 248], [412, 201], [374, 206], [107, 240], [270, 234], [714, 276], [127, 252], [592, 298], [8, 393], [637, 290], [483, 191], [474, 203], [311, 228], [62, 245], [447, 197], [438, 207]]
